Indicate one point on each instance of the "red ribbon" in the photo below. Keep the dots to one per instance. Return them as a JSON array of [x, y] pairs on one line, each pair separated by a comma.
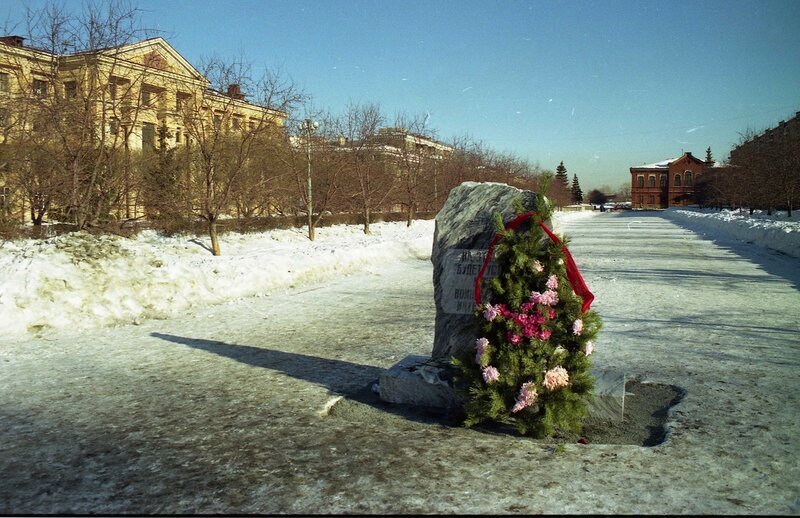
[[573, 274]]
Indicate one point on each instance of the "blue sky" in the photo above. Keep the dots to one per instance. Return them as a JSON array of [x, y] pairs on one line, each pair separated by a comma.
[[601, 85]]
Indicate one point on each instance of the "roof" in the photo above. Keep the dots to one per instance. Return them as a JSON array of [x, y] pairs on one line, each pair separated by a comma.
[[664, 164]]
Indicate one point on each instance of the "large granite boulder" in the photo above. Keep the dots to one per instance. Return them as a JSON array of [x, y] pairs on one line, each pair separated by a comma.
[[464, 230]]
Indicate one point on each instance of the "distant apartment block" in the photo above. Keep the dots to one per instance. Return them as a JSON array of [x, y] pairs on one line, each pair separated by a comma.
[[782, 140]]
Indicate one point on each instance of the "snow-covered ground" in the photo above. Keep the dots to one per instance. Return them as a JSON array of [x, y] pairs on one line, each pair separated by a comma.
[[78, 281], [777, 232], [226, 408], [81, 281]]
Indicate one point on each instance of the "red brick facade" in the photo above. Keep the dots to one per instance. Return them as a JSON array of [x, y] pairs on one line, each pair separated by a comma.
[[668, 183]]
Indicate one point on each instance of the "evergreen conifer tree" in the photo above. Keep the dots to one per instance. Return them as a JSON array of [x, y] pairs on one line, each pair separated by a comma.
[[561, 175], [530, 367], [709, 158], [577, 193]]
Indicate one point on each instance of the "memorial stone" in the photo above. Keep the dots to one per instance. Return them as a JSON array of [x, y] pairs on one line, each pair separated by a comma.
[[464, 230]]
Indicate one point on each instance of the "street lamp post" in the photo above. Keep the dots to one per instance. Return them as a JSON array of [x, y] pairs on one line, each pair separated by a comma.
[[309, 126]]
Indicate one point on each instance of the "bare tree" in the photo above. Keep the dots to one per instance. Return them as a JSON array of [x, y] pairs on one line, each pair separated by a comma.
[[415, 162], [624, 192], [225, 142], [370, 185]]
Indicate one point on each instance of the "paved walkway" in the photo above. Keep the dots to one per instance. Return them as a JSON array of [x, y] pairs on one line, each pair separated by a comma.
[[223, 410]]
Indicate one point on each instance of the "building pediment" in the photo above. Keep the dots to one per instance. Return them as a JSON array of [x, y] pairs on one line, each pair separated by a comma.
[[687, 158], [156, 54]]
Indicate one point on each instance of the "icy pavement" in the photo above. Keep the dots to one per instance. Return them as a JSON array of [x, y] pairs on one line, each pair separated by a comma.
[[223, 409]]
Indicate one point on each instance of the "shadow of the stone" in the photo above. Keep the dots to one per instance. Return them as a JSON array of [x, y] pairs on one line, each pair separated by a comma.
[[646, 408], [351, 380]]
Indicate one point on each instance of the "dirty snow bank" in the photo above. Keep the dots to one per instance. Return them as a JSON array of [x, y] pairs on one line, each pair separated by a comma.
[[776, 232]]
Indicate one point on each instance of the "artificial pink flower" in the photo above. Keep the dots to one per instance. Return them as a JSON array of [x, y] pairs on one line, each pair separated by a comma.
[[504, 311], [577, 327], [589, 348], [525, 398], [552, 282], [490, 374], [480, 349], [548, 298], [491, 312], [537, 266], [555, 378]]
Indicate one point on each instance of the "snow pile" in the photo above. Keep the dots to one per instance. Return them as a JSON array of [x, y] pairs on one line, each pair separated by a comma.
[[776, 232], [82, 281]]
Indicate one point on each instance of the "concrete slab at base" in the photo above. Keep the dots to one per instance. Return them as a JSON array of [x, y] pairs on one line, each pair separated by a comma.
[[418, 380], [421, 381]]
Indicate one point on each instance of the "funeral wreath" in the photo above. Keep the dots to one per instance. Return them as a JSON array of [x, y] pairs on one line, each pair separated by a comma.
[[530, 365]]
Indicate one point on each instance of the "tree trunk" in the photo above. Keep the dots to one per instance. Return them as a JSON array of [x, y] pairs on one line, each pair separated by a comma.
[[212, 233], [410, 217], [37, 217], [366, 219]]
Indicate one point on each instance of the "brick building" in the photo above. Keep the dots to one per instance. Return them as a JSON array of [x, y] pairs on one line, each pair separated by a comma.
[[779, 140], [667, 183]]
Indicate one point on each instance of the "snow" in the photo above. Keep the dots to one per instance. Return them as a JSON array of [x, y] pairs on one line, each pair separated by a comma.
[[776, 232], [658, 165], [227, 408], [78, 281]]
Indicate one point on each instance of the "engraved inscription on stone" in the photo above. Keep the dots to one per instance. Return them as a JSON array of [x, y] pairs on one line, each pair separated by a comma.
[[460, 269]]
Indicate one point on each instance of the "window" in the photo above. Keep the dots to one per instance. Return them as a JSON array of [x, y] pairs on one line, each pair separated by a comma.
[[217, 122], [677, 179], [687, 177], [70, 90], [237, 125], [112, 90], [113, 126], [651, 180], [640, 180], [663, 180], [147, 98], [40, 88], [177, 135], [3, 117], [148, 136], [3, 83]]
